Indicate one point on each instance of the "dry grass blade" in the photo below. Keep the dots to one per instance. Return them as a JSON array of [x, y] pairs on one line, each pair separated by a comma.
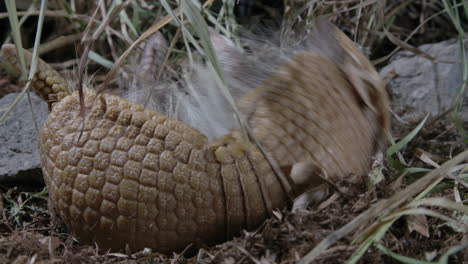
[[384, 207], [109, 18], [19, 51], [58, 13], [399, 257], [347, 9], [37, 40], [385, 58], [459, 96], [12, 16], [375, 233], [27, 14], [195, 18], [425, 211], [59, 42], [35, 55], [286, 233], [400, 43], [426, 158], [445, 258], [169, 52], [91, 22], [441, 202], [396, 9], [164, 21], [82, 63], [84, 57], [407, 46], [396, 147], [187, 35]]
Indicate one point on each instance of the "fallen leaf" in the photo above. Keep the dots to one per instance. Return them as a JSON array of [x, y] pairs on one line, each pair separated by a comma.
[[419, 224]]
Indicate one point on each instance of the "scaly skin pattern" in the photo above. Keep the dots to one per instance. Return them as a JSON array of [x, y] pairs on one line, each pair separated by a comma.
[[125, 175], [307, 111], [47, 83]]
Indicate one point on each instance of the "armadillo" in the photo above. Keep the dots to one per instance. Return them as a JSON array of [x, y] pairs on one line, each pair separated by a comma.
[[127, 177]]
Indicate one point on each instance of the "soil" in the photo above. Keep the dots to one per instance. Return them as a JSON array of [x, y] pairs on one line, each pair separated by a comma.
[[30, 233]]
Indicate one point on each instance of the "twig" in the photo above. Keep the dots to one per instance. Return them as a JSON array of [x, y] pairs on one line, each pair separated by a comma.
[[36, 13], [64, 65], [384, 207], [103, 10], [59, 42]]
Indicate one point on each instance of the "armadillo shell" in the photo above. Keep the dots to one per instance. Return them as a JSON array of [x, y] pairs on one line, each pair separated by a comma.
[[128, 177], [123, 176], [309, 111]]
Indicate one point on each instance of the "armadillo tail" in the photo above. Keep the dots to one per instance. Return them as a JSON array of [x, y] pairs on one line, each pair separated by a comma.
[[47, 82]]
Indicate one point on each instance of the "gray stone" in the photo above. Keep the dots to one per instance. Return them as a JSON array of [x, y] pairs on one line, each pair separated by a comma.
[[19, 154], [422, 87]]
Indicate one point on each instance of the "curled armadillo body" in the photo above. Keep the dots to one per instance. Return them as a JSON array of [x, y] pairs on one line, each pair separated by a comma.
[[125, 176], [140, 178]]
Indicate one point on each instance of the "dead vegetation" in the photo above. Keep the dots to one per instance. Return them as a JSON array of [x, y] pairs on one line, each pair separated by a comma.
[[418, 230]]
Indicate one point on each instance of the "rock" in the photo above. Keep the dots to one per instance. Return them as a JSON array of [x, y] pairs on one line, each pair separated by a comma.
[[19, 153], [421, 86]]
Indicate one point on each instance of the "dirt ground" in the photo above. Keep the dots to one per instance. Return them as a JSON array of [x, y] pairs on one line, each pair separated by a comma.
[[30, 234]]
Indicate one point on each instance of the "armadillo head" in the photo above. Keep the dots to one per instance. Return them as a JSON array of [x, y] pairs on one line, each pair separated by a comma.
[[318, 105]]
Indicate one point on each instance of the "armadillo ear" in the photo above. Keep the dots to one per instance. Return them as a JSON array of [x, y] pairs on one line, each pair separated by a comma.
[[332, 43]]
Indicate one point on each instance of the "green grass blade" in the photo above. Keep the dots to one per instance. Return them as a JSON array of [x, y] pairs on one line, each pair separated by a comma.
[[444, 259], [37, 40], [457, 102], [186, 32], [194, 16], [395, 148], [16, 32], [441, 202], [425, 211], [400, 258], [465, 8], [19, 51], [375, 237], [100, 60], [124, 17], [23, 19], [384, 207], [35, 55]]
